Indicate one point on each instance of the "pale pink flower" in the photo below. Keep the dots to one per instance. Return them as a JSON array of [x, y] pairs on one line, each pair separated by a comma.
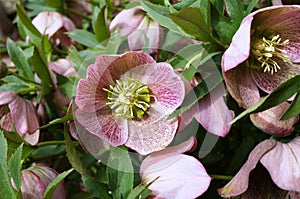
[[22, 114], [142, 31], [263, 53], [35, 180], [175, 175], [126, 99], [281, 160], [55, 26]]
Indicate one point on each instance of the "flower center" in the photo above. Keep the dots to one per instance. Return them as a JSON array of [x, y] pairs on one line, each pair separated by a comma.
[[266, 50], [128, 99]]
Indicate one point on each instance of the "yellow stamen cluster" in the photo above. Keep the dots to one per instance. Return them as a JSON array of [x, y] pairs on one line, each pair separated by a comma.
[[128, 99], [265, 50]]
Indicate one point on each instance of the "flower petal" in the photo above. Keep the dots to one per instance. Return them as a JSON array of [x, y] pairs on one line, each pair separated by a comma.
[[6, 97], [179, 176], [267, 82], [127, 20], [157, 156], [29, 191], [104, 125], [239, 183], [269, 121], [241, 86], [152, 133], [214, 114], [239, 49], [283, 164]]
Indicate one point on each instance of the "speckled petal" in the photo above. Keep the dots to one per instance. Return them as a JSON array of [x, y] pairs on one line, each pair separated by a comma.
[[7, 97], [269, 121], [104, 125], [90, 94], [152, 133], [285, 21], [213, 113], [241, 86], [179, 176], [283, 164], [165, 85], [267, 82], [239, 183], [127, 20], [29, 191]]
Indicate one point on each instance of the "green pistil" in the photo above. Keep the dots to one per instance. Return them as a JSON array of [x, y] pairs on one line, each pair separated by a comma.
[[265, 49], [128, 99]]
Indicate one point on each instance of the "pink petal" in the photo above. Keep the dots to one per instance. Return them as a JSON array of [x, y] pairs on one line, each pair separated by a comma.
[[276, 2], [29, 191], [179, 176], [283, 164], [214, 114], [127, 20], [104, 125], [239, 49], [6, 97], [269, 121], [152, 133], [26, 123], [90, 94], [63, 67], [267, 82], [294, 195], [241, 86], [239, 183]]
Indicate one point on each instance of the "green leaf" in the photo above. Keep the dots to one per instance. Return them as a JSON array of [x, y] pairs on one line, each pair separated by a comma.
[[160, 14], [74, 157], [96, 188], [139, 191], [192, 21], [282, 93], [294, 108], [33, 33], [58, 121], [100, 24], [250, 6], [18, 57], [54, 184], [235, 10], [14, 84], [6, 189], [41, 68], [15, 166], [84, 37], [120, 172], [57, 4], [78, 62], [66, 85], [202, 89]]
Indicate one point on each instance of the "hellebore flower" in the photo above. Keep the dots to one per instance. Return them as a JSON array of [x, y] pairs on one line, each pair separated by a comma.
[[126, 99], [264, 53], [175, 175], [140, 28], [281, 160], [26, 123], [35, 180], [54, 25]]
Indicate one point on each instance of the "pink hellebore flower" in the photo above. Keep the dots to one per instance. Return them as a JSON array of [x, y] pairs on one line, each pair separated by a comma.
[[35, 180], [263, 54], [140, 28], [54, 25], [175, 175], [22, 115], [126, 99], [281, 161]]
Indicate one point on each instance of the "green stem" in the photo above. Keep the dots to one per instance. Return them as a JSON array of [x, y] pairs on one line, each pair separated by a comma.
[[56, 142], [23, 78], [77, 13], [221, 177]]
